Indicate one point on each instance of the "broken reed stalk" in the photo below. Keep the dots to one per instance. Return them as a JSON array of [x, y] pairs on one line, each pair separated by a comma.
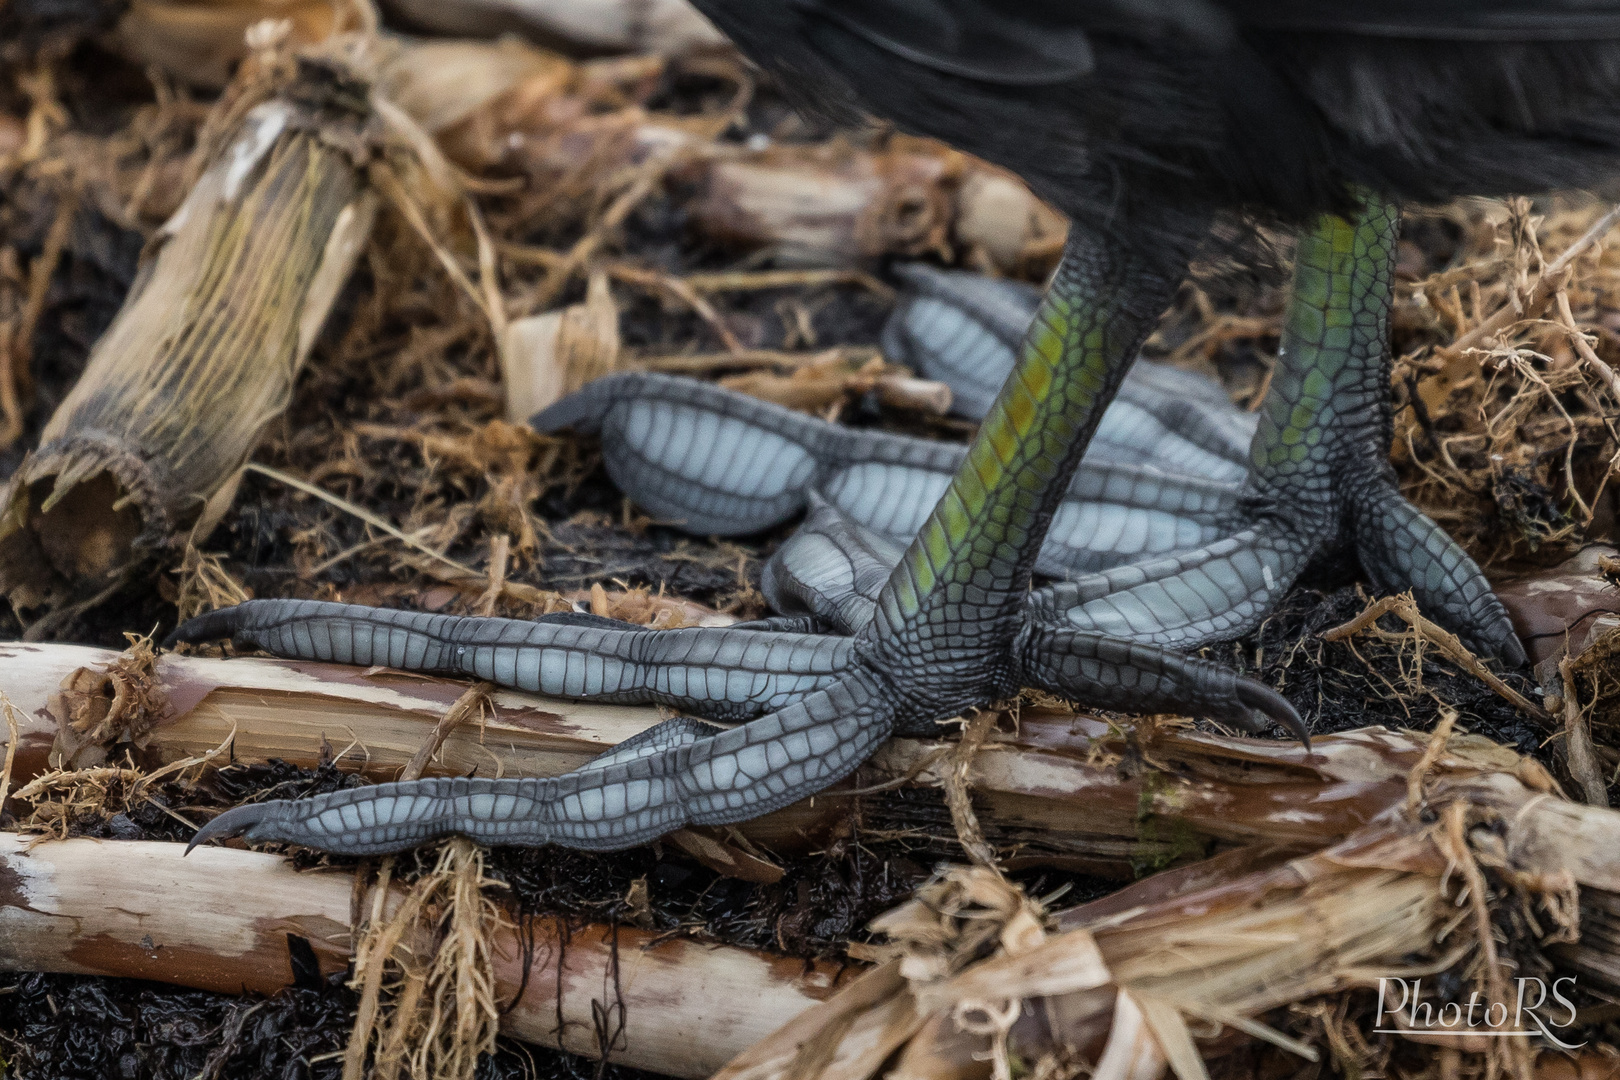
[[1579, 750], [1124, 982], [1331, 840], [232, 293], [1050, 793], [221, 920], [14, 737]]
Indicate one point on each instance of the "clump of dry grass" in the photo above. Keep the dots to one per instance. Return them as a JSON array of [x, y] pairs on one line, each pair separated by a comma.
[[1505, 382], [432, 953]]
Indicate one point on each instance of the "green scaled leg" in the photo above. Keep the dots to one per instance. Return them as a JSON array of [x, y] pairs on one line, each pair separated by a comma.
[[1319, 477], [951, 628]]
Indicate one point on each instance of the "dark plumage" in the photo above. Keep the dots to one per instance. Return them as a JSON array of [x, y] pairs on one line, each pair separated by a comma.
[[1145, 116]]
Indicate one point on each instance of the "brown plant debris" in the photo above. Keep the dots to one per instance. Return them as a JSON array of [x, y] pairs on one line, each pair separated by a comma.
[[97, 709], [203, 355], [441, 1012]]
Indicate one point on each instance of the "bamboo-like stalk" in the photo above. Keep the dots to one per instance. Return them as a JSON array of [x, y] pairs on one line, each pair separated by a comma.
[[376, 721], [232, 294], [1054, 788], [1342, 868], [220, 920]]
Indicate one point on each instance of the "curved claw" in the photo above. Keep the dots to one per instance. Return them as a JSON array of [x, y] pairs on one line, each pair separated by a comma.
[[1111, 672], [672, 776], [238, 821], [1264, 700], [722, 673]]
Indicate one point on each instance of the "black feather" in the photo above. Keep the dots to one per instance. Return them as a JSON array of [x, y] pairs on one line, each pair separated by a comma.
[[966, 38], [1273, 109]]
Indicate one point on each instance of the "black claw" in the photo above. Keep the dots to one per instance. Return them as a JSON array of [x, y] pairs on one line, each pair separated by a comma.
[[1510, 650], [1274, 707], [213, 626], [232, 823]]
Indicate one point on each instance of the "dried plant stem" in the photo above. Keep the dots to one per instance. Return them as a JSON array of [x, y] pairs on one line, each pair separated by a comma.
[[456, 983], [959, 790], [648, 177], [1055, 783], [401, 199], [15, 736], [474, 700], [363, 514], [88, 906], [754, 280], [683, 291], [1462, 857], [377, 943], [1553, 280], [16, 341], [203, 354], [847, 356], [1431, 754], [500, 552], [1603, 371], [1405, 608], [1579, 751]]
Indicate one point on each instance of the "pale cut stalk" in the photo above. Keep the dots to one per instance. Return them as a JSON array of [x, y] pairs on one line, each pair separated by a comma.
[[203, 355], [220, 920], [1055, 788]]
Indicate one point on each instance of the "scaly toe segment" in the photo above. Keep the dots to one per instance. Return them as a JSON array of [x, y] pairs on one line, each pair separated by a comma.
[[1190, 599], [965, 330], [1114, 673], [671, 776], [1321, 453], [830, 568], [721, 673], [1403, 548], [718, 462]]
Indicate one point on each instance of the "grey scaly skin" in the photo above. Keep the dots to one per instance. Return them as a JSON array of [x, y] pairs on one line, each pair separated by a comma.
[[840, 577], [1319, 479], [717, 462], [1141, 120], [949, 631], [964, 329], [727, 674]]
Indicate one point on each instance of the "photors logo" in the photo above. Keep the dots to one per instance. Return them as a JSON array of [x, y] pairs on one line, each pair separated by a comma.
[[1541, 1009]]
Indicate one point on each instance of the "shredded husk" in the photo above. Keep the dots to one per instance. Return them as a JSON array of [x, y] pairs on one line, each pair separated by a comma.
[[203, 355]]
